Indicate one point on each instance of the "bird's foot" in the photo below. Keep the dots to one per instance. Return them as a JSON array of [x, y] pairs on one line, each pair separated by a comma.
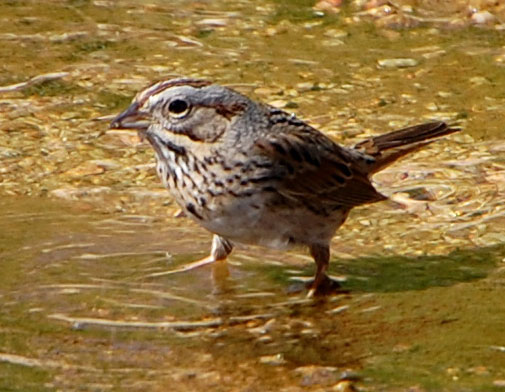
[[221, 248], [186, 267], [324, 286]]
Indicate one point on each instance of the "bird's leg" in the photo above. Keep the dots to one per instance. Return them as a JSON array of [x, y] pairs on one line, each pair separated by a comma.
[[321, 283], [220, 250], [321, 255]]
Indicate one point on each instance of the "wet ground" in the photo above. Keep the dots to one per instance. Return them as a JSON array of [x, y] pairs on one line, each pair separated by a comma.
[[86, 231]]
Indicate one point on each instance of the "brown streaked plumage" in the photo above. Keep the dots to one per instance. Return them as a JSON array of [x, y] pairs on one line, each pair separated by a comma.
[[253, 174]]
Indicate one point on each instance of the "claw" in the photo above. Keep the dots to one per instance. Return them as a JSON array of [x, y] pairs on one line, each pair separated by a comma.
[[184, 268], [325, 286], [221, 248]]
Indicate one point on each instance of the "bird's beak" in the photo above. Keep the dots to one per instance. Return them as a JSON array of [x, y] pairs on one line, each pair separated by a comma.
[[131, 118]]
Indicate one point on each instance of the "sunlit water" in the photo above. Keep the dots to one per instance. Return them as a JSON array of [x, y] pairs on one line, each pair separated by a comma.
[[87, 233]]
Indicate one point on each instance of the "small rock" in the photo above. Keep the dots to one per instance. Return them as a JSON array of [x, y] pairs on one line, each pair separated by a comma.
[[368, 5], [6, 152], [397, 63], [106, 164], [401, 348], [187, 41], [328, 5], [499, 383], [336, 33], [432, 55], [407, 8], [127, 138], [431, 106], [266, 91], [483, 17], [272, 360], [344, 386], [453, 372], [265, 339], [71, 193], [396, 21], [317, 375], [408, 98], [478, 80], [59, 38], [26, 163], [305, 86], [85, 169], [212, 22], [500, 59], [161, 193], [70, 291], [479, 370], [338, 309], [371, 309], [263, 329], [278, 103], [332, 42], [103, 3], [271, 31]]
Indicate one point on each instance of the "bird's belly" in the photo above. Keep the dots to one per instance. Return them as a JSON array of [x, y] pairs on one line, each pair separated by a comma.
[[252, 220], [249, 222], [246, 221]]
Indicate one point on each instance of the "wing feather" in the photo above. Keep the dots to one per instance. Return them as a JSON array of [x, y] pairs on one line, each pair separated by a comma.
[[312, 168]]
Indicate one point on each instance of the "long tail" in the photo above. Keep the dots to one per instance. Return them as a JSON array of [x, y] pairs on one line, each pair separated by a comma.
[[388, 148]]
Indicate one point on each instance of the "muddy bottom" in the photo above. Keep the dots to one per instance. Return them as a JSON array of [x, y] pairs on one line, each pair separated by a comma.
[[87, 306]]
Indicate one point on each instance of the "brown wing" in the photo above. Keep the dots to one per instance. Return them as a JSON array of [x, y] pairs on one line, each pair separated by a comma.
[[313, 169]]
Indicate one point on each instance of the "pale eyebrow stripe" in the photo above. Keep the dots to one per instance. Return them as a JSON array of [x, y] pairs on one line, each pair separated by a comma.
[[158, 87]]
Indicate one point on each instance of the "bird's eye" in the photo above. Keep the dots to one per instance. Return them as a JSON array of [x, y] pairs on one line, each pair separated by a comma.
[[178, 108]]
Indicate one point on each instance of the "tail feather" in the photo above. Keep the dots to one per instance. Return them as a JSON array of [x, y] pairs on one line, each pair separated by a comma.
[[388, 148]]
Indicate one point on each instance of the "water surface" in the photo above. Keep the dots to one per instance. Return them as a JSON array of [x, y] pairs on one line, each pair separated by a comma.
[[87, 232]]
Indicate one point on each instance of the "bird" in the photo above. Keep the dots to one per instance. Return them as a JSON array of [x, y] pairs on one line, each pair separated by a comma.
[[251, 173]]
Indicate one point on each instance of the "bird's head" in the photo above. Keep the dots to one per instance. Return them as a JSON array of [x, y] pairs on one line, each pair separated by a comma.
[[198, 109]]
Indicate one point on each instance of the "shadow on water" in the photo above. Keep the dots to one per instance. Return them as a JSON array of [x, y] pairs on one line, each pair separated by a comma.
[[383, 274], [398, 273], [388, 274]]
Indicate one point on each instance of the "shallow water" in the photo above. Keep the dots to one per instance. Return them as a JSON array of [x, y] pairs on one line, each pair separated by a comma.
[[86, 232], [80, 310]]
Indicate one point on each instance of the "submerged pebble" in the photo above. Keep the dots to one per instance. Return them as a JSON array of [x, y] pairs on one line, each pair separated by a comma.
[[6, 152], [272, 360], [397, 63], [317, 375], [483, 17], [344, 386]]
